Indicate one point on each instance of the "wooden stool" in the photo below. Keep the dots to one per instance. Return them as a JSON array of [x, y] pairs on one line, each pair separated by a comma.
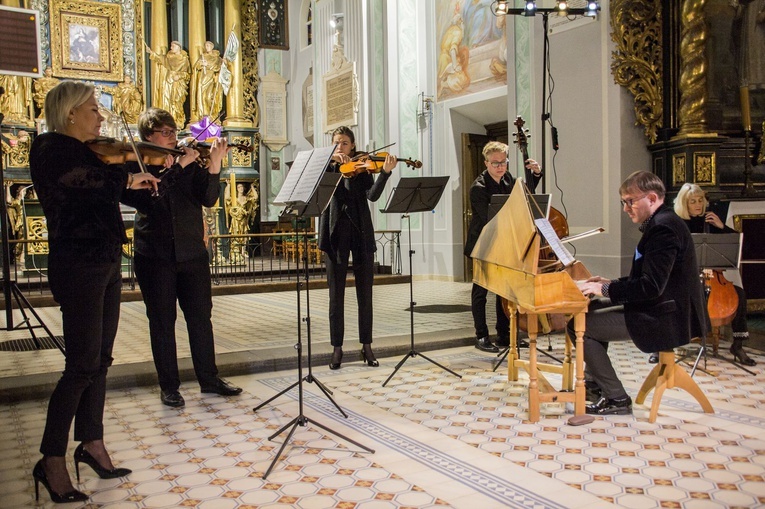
[[667, 375]]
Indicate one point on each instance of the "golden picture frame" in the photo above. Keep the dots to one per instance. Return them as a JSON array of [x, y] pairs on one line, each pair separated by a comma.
[[86, 40]]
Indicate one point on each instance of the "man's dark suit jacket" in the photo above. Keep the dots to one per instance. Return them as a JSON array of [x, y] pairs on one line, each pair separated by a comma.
[[663, 299], [481, 191], [351, 197]]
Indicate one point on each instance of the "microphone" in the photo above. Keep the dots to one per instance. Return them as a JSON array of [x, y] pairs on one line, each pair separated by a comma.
[[554, 132]]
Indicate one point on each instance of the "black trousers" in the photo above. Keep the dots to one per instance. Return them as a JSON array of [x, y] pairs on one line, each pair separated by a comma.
[[163, 283], [605, 323], [363, 272], [478, 307], [89, 296]]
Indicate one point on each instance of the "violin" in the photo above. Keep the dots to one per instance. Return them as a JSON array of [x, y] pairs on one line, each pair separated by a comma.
[[371, 163], [204, 147], [113, 151]]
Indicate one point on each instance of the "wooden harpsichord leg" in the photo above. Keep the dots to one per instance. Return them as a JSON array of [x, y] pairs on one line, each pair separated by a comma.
[[533, 325], [579, 325]]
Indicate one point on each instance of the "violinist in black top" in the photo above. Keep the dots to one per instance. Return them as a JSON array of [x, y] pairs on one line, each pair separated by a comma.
[[691, 205], [80, 197], [495, 179], [345, 227], [171, 260]]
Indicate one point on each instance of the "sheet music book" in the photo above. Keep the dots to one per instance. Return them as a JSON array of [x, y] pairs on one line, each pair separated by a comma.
[[548, 232], [304, 176]]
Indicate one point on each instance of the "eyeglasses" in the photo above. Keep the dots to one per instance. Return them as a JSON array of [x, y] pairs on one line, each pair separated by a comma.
[[630, 202], [498, 164], [166, 132]]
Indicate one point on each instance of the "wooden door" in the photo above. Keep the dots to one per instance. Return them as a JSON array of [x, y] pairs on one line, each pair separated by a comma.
[[472, 166]]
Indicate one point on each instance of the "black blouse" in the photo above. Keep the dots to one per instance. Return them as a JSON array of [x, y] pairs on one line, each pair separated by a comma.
[[80, 197]]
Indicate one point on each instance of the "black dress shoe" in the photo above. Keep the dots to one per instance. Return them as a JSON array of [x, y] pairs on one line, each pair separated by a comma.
[[502, 342], [172, 398], [609, 406], [485, 345], [369, 357], [653, 358], [39, 475], [222, 387]]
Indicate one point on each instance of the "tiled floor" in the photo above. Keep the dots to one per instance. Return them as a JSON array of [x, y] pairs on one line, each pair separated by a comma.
[[438, 440]]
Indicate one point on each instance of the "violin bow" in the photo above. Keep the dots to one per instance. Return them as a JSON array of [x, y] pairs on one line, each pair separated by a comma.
[[141, 164], [362, 154]]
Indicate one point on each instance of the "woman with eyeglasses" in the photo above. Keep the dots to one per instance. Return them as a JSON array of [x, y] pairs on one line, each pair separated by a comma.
[[495, 179], [80, 197], [171, 260], [345, 228], [691, 205]]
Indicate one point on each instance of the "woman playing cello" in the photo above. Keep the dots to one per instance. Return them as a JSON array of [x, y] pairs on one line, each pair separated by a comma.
[[691, 205]]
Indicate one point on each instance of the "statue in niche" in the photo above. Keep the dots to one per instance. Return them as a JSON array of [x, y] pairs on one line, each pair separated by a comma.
[[239, 216], [173, 82], [42, 86], [15, 208], [16, 102], [127, 100], [207, 91]]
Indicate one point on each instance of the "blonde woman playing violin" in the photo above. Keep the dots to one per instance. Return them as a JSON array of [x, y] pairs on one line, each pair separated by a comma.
[[171, 260], [79, 195], [346, 227]]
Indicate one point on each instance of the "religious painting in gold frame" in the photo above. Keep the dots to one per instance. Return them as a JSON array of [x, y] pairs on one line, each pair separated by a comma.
[[86, 40]]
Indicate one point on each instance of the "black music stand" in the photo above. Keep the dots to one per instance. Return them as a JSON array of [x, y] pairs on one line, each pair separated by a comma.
[[716, 251], [307, 191], [415, 194]]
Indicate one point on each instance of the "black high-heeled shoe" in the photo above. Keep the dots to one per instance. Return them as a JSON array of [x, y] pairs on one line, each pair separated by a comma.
[[83, 456], [740, 355], [368, 357], [337, 358], [38, 474]]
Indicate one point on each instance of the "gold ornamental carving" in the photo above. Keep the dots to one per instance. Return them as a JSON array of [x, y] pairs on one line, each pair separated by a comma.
[[250, 46], [241, 158], [693, 69], [636, 64], [704, 168], [678, 169], [37, 230]]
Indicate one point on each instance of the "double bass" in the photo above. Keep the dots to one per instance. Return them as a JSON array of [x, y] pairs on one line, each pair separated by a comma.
[[552, 322]]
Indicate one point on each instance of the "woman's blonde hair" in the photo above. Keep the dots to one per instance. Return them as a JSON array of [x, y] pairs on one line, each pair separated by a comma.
[[62, 99], [686, 193]]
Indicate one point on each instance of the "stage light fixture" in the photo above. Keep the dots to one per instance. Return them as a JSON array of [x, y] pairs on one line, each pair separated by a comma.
[[530, 9], [592, 8], [562, 7], [500, 8], [336, 21]]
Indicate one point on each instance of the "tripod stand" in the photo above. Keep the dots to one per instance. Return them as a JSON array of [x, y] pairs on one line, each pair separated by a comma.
[[10, 288], [716, 252], [417, 194], [310, 378], [308, 167]]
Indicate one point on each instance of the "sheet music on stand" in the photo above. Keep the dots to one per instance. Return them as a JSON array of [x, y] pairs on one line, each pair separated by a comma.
[[304, 176], [548, 232], [719, 251]]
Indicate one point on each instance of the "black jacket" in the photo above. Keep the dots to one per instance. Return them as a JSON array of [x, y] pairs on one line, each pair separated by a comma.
[[663, 299], [480, 197], [170, 227], [80, 197], [351, 198]]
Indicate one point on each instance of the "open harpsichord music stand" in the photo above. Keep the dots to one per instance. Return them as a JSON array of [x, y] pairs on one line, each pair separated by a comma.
[[415, 194]]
